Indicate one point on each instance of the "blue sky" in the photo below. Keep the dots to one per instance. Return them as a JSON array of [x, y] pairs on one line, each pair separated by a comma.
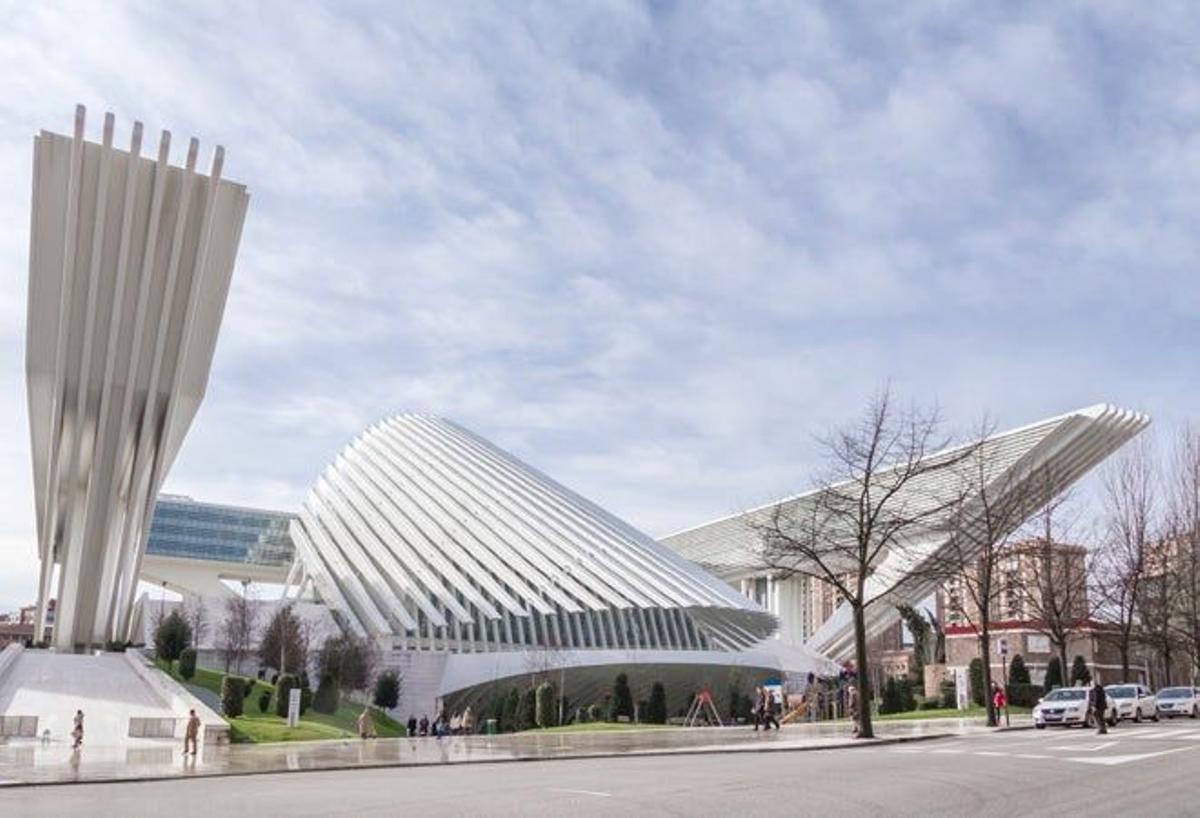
[[650, 248]]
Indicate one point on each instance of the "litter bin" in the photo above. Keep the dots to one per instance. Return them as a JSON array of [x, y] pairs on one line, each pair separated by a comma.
[[490, 727]]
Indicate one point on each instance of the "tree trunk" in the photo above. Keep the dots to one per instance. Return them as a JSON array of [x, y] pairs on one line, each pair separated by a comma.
[[1062, 658], [865, 730], [1124, 661], [985, 640]]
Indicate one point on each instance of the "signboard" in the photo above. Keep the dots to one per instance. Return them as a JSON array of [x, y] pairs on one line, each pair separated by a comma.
[[962, 688], [293, 717], [1002, 646]]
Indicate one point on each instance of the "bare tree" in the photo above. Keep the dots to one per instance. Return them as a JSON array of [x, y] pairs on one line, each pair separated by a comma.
[[196, 615], [986, 513], [1123, 558], [1183, 540], [876, 505], [1047, 578], [237, 629]]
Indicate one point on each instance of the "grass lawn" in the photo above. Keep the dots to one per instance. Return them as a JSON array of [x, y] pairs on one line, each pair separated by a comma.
[[254, 726], [597, 727]]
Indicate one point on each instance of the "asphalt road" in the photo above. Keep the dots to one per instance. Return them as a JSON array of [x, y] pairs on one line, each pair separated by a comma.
[[1143, 770]]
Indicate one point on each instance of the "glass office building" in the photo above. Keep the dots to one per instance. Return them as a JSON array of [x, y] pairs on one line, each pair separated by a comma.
[[182, 527]]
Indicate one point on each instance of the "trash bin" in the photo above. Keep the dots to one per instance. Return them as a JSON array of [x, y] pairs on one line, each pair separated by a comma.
[[490, 727]]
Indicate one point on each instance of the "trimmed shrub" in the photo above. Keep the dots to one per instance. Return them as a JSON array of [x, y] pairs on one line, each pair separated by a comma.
[[512, 704], [949, 694], [264, 701], [1023, 695], [325, 700], [527, 711], [930, 703], [887, 704], [622, 699], [975, 671], [387, 690], [1080, 675], [171, 636], [187, 663], [656, 708], [233, 695], [283, 689], [1054, 674], [1017, 672], [546, 709]]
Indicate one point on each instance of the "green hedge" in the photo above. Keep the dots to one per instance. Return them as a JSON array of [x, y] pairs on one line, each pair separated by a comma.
[[233, 695], [656, 709], [546, 708], [283, 689], [1023, 695], [187, 663]]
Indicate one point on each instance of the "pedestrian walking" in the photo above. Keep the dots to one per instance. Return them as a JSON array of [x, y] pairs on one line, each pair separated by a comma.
[[812, 698], [768, 710], [1099, 703], [412, 726], [999, 700], [366, 724], [423, 727], [757, 713], [191, 732], [852, 706], [77, 731], [468, 721]]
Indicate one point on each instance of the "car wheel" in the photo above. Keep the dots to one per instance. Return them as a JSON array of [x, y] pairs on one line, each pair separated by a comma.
[[1040, 726], [1137, 715], [1155, 716], [1112, 720], [1195, 711]]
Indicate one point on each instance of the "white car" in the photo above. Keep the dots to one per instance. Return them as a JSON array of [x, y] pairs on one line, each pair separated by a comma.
[[1133, 701], [1179, 701], [1067, 706]]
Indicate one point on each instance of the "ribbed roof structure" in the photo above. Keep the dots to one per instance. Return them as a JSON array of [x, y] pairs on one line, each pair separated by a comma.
[[424, 531], [1034, 462]]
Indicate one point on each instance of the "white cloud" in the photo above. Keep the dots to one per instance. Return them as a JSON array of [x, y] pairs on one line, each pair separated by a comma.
[[651, 249]]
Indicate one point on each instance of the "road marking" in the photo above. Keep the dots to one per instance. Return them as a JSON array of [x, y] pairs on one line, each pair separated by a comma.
[[1182, 735], [1031, 755], [1086, 748], [987, 753], [582, 792], [1154, 733], [1112, 761]]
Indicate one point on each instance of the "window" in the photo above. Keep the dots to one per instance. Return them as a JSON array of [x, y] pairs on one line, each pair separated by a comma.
[[1037, 643]]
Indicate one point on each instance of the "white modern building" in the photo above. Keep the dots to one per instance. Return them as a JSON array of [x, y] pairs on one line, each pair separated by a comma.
[[1035, 462], [469, 566], [130, 264]]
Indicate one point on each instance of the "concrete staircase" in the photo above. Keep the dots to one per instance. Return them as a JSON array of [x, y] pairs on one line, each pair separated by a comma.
[[125, 701]]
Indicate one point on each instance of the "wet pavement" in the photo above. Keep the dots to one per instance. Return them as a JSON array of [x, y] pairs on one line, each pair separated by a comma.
[[32, 762]]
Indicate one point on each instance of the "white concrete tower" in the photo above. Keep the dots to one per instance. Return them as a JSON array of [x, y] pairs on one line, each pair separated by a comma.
[[129, 266]]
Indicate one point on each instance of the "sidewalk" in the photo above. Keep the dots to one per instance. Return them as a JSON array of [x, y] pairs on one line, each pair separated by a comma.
[[24, 763]]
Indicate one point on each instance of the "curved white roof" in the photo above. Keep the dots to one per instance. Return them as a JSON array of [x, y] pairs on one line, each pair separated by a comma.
[[423, 530]]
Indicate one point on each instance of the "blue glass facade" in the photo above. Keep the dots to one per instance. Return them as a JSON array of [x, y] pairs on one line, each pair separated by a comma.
[[181, 527]]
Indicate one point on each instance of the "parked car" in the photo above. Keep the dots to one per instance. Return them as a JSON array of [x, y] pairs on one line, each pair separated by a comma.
[[1179, 701], [1133, 701], [1069, 705]]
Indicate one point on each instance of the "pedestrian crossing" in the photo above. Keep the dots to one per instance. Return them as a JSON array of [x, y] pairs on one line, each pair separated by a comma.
[[1119, 746]]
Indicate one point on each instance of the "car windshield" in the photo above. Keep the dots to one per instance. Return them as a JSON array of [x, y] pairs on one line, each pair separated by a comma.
[[1123, 692], [1064, 694], [1175, 693]]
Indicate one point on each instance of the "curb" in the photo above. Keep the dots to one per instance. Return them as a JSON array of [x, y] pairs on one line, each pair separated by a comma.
[[850, 744]]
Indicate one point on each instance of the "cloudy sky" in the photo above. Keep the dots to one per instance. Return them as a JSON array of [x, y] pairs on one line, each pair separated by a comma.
[[649, 247]]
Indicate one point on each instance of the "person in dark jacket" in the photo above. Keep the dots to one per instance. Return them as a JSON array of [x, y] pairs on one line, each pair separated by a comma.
[[1099, 702], [412, 726]]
